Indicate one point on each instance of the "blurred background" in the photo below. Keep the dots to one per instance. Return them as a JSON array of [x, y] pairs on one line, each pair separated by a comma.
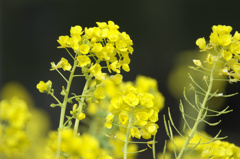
[[162, 31]]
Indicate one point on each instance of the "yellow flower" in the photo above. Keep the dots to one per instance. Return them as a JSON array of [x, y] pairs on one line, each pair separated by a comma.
[[141, 118], [236, 68], [89, 32], [145, 134], [236, 36], [113, 35], [135, 132], [221, 29], [153, 115], [63, 63], [151, 128], [102, 55], [102, 25], [62, 40], [81, 116], [110, 117], [103, 43], [92, 108], [235, 48], [220, 149], [74, 42], [197, 63], [210, 59], [201, 43], [100, 76], [84, 48], [224, 39], [146, 100], [109, 120], [116, 102], [97, 47], [117, 79], [214, 38], [226, 55], [112, 25], [83, 60], [131, 99], [225, 71], [114, 66], [125, 67], [76, 30], [95, 70], [123, 117], [99, 93], [44, 87], [130, 49], [109, 48], [104, 33], [121, 45]]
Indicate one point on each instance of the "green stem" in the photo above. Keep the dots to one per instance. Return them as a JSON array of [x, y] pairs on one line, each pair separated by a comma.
[[55, 98], [153, 147], [63, 108], [200, 114], [89, 79], [62, 75], [126, 138]]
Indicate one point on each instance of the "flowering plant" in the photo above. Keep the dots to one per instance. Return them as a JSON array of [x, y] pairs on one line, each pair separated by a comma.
[[114, 114]]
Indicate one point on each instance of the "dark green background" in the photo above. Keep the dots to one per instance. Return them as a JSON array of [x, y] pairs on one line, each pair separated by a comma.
[[160, 29]]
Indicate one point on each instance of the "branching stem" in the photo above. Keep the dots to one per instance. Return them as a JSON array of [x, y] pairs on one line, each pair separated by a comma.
[[63, 108], [89, 79], [200, 114]]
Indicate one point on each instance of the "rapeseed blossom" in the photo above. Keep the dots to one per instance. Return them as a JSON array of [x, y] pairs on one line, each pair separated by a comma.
[[220, 149], [95, 44], [94, 49], [14, 116], [223, 47], [136, 109], [44, 87], [84, 146], [205, 148]]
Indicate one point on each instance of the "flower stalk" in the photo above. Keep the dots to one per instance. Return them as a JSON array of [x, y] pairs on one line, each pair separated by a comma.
[[127, 138], [200, 116], [64, 105], [89, 79]]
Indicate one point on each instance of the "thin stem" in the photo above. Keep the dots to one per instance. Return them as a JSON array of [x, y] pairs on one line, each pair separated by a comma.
[[62, 75], [70, 54], [79, 75], [126, 138], [89, 79], [153, 147], [201, 111], [55, 98], [63, 108]]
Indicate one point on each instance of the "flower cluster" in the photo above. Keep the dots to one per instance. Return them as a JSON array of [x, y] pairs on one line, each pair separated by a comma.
[[14, 116], [223, 47], [136, 111], [113, 86], [96, 44], [205, 148], [93, 48], [84, 146], [220, 149]]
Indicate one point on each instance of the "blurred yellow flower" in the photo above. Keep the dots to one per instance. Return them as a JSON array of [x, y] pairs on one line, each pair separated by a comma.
[[44, 87]]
